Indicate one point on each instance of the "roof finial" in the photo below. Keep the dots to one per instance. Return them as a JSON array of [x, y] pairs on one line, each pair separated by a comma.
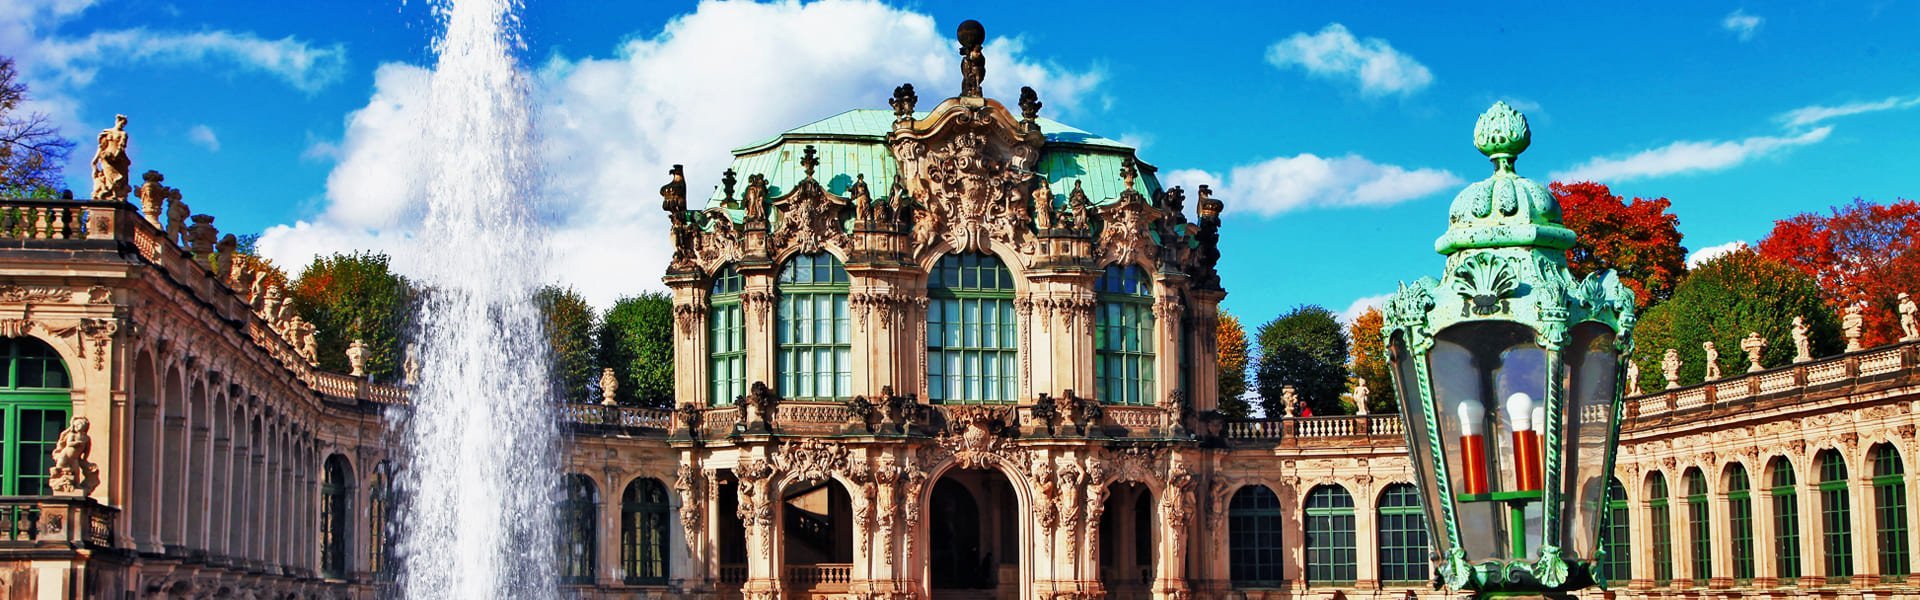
[[1029, 104], [1128, 172], [903, 101], [1502, 134], [973, 63], [727, 179], [809, 160]]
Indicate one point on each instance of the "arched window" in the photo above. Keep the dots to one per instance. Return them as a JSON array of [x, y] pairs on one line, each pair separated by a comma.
[[1123, 337], [726, 338], [379, 514], [1786, 520], [643, 532], [34, 406], [1836, 517], [1403, 536], [1618, 535], [812, 335], [1740, 518], [1662, 526], [1330, 545], [1254, 548], [1890, 511], [1699, 527], [335, 487], [576, 533], [972, 337]]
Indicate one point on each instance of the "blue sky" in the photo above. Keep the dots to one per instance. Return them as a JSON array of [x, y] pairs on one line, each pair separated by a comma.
[[1338, 132]]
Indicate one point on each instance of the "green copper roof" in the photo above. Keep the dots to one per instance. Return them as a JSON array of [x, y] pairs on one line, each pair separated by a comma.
[[853, 143]]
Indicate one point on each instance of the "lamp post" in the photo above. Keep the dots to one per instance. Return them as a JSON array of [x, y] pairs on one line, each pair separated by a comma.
[[1508, 372]]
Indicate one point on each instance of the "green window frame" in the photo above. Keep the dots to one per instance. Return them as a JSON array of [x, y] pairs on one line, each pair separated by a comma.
[[1331, 555], [335, 487], [1740, 521], [1836, 517], [726, 338], [1403, 536], [34, 406], [973, 348], [1786, 521], [1123, 341], [643, 532], [812, 337], [1890, 512], [1255, 548], [1618, 535], [575, 542], [1661, 521], [379, 514], [1699, 526]]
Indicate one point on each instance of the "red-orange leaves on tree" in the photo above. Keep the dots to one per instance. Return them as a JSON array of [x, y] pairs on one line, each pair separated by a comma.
[[1861, 253], [1638, 240]]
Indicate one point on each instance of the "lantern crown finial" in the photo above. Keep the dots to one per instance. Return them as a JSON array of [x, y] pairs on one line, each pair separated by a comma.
[[1504, 210]]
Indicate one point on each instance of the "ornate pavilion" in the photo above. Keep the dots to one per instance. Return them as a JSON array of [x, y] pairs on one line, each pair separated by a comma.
[[960, 352]]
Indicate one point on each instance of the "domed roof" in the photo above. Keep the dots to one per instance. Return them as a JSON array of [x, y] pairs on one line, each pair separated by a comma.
[[853, 144], [1504, 210]]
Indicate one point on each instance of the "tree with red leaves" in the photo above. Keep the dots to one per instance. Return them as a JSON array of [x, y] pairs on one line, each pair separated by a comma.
[[1638, 240], [1861, 253]]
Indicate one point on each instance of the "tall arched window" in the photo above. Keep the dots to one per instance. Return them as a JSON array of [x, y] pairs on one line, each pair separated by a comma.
[[1890, 511], [335, 487], [1254, 548], [1123, 337], [1836, 517], [1699, 527], [1403, 536], [1618, 536], [972, 337], [34, 406], [726, 338], [1786, 520], [1662, 528], [379, 514], [643, 532], [1330, 545], [575, 540], [1740, 518], [812, 335]]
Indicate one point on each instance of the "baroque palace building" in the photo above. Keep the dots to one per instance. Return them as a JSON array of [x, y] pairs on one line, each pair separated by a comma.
[[955, 353]]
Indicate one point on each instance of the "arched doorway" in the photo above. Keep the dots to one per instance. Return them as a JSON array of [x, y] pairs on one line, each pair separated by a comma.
[[973, 536], [816, 533], [1127, 541]]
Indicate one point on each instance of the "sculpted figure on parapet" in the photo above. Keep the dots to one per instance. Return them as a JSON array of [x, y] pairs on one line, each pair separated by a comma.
[[110, 162], [71, 473]]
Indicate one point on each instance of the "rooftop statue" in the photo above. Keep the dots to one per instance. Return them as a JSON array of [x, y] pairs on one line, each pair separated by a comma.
[[110, 162], [1909, 318], [1802, 344], [973, 62], [153, 196]]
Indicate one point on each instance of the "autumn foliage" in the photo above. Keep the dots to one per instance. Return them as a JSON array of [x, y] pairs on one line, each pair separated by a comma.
[[1638, 240], [1370, 361], [1861, 253], [1230, 345]]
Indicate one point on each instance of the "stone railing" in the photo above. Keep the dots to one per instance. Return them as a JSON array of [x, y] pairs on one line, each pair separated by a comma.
[[1136, 419], [733, 574], [1387, 427], [818, 576], [70, 521], [1865, 366], [34, 219], [628, 417]]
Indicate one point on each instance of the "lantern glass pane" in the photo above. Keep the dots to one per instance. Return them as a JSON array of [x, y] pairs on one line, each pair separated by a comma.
[[1591, 369], [1477, 369], [1406, 381]]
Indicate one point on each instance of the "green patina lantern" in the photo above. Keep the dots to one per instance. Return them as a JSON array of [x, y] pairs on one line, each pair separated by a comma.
[[1508, 371]]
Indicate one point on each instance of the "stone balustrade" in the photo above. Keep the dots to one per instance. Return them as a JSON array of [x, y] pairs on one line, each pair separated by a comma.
[[1872, 364], [35, 219], [625, 417], [1387, 428], [820, 576], [56, 522]]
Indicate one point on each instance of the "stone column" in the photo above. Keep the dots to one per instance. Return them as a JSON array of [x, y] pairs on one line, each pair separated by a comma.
[[1866, 541], [1682, 511], [1169, 316], [1913, 507], [1720, 506], [220, 479], [236, 520], [1640, 518], [1766, 535], [759, 307], [760, 521], [691, 371], [1813, 566], [255, 527], [1203, 308], [199, 482], [173, 481], [1366, 533]]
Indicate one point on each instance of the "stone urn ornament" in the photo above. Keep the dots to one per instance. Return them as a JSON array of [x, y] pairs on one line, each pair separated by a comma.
[[1853, 325], [357, 357], [1753, 345], [1670, 368]]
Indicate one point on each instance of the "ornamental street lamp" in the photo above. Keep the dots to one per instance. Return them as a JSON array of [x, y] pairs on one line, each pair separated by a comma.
[[1508, 374]]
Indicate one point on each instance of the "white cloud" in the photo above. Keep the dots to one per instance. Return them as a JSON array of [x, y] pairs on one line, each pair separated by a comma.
[[1813, 115], [1304, 181], [1360, 306], [1742, 24], [204, 136], [726, 75], [1334, 53], [1687, 157], [304, 66], [1711, 252]]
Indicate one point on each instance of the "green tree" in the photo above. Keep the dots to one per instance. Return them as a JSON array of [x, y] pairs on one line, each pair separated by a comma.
[[355, 296], [1370, 361], [1230, 345], [1307, 349], [570, 325], [636, 341], [1722, 301]]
